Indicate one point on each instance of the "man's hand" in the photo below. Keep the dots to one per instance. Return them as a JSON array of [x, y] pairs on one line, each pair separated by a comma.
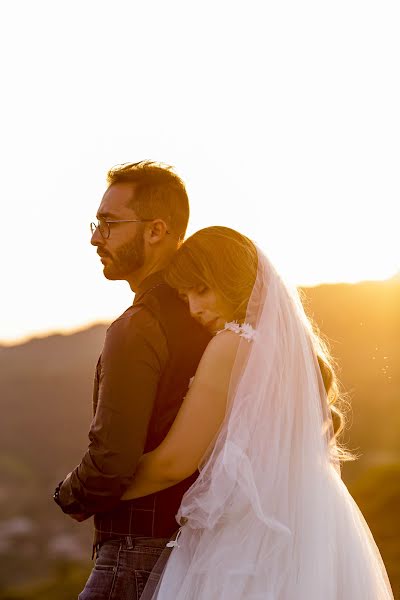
[[80, 516], [77, 516]]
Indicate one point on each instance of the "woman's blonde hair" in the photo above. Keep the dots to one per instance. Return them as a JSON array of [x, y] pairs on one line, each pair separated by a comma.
[[220, 258], [226, 261]]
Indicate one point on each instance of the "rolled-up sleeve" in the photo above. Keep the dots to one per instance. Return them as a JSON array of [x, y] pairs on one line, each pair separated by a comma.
[[133, 359]]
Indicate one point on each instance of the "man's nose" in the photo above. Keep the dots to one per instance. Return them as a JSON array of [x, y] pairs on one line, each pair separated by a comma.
[[97, 239]]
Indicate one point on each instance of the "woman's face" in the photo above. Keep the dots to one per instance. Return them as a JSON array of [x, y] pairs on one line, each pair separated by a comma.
[[207, 307]]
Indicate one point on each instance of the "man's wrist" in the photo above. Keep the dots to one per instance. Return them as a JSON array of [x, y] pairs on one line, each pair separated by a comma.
[[64, 498], [56, 495]]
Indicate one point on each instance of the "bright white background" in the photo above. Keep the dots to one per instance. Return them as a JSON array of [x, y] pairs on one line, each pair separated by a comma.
[[282, 117]]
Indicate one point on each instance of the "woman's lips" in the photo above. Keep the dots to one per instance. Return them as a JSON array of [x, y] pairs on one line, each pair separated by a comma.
[[212, 325]]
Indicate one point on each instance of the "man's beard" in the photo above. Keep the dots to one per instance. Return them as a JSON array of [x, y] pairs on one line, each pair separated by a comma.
[[127, 259]]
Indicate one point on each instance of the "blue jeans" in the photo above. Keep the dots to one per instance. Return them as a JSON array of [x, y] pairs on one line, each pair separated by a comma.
[[122, 568]]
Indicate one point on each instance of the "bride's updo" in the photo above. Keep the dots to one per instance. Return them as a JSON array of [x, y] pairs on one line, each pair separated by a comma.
[[226, 261]]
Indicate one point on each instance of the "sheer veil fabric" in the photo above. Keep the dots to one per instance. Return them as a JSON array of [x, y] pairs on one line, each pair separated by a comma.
[[269, 516]]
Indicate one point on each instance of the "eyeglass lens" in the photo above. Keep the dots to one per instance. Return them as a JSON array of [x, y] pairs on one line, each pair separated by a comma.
[[102, 226]]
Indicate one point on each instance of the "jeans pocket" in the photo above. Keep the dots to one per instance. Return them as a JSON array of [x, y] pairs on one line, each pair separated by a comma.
[[141, 577], [101, 580], [100, 584]]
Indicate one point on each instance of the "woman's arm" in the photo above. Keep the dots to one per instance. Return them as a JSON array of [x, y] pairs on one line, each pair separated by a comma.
[[195, 425]]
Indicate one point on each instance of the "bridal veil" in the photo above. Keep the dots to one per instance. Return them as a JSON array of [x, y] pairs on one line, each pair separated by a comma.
[[269, 516]]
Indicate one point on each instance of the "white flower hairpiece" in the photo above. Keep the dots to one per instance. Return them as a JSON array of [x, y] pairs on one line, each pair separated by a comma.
[[245, 330]]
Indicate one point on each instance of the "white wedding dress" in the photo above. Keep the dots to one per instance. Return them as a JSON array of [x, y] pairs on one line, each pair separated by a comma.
[[269, 517]]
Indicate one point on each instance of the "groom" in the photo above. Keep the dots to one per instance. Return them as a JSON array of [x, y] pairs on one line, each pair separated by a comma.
[[150, 353]]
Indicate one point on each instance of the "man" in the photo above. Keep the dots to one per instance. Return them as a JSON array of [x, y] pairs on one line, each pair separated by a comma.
[[150, 353]]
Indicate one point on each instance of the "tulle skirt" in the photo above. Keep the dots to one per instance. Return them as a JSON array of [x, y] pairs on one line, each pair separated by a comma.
[[242, 558]]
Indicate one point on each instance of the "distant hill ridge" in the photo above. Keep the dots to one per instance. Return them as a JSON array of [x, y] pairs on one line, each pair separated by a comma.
[[46, 405], [46, 382], [374, 288], [50, 379]]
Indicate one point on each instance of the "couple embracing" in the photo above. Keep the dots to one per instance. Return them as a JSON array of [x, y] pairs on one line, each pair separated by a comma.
[[213, 468]]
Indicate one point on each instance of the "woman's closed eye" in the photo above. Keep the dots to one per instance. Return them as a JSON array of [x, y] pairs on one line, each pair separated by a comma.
[[201, 289]]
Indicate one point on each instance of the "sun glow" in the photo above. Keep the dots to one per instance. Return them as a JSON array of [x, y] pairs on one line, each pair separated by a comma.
[[284, 125]]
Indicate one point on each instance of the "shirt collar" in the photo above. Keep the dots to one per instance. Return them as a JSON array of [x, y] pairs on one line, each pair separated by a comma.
[[152, 281]]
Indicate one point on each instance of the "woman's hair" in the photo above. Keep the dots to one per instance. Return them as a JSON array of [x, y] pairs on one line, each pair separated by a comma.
[[219, 258], [226, 261]]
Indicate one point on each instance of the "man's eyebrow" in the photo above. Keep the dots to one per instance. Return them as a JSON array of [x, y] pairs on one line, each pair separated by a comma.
[[105, 215]]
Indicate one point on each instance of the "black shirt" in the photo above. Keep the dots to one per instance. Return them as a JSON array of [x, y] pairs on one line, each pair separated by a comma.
[[142, 375]]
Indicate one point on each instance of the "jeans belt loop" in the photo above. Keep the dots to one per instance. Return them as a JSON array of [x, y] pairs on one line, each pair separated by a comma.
[[129, 543], [95, 550]]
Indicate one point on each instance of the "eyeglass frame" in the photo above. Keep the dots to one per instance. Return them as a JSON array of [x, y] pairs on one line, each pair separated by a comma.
[[93, 225]]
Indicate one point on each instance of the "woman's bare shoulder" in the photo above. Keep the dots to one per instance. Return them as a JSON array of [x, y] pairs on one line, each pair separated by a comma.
[[220, 352]]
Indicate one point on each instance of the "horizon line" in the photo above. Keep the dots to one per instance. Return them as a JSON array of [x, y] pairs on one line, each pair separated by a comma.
[[9, 342]]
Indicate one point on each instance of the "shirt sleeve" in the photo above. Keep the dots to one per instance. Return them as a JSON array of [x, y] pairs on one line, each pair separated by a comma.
[[134, 356]]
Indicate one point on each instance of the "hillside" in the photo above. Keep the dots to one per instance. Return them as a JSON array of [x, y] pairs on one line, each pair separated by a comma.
[[46, 410]]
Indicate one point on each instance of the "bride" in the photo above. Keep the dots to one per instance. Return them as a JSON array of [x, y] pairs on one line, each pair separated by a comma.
[[269, 516]]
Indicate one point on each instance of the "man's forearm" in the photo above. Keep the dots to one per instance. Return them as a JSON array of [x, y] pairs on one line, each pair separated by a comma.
[[91, 492], [126, 384]]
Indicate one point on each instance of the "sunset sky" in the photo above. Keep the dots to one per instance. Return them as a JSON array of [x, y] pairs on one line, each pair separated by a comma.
[[282, 118]]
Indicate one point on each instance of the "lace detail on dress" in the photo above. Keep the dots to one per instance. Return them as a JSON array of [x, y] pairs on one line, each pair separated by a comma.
[[245, 330]]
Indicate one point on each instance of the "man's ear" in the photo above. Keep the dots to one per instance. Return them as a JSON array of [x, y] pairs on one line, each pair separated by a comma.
[[156, 231]]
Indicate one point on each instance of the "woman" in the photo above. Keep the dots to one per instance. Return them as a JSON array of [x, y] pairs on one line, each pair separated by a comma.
[[268, 516]]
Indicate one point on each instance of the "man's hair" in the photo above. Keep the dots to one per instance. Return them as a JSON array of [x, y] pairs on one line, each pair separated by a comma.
[[159, 193]]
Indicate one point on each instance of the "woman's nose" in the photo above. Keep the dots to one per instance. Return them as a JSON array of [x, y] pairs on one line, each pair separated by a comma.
[[195, 307]]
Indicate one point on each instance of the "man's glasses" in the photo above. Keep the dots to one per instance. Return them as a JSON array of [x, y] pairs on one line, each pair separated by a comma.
[[103, 225]]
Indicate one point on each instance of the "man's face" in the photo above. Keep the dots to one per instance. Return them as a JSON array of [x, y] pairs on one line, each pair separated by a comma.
[[122, 253]]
